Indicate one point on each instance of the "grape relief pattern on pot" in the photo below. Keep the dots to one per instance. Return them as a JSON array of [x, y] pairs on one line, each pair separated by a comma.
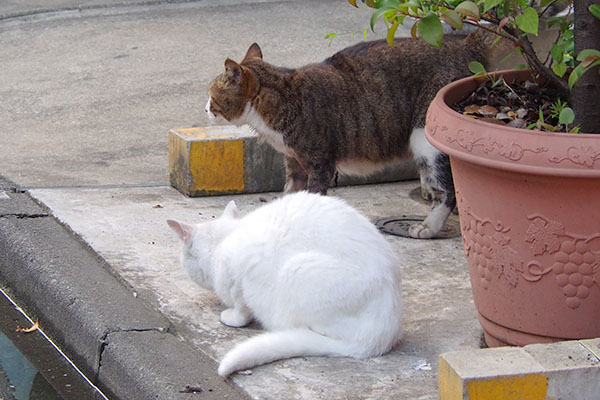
[[488, 246], [575, 259]]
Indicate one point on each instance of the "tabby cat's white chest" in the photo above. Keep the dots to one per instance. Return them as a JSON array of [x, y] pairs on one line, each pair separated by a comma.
[[256, 122]]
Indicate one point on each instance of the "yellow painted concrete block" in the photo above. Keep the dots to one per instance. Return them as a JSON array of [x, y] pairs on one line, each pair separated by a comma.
[[526, 387], [547, 371], [217, 165], [450, 384], [221, 160]]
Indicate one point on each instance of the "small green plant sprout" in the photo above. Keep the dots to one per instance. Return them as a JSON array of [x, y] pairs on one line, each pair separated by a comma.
[[477, 69], [561, 111], [561, 114], [541, 124], [331, 36]]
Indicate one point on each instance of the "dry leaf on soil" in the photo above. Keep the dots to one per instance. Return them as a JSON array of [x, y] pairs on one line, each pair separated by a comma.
[[485, 111]]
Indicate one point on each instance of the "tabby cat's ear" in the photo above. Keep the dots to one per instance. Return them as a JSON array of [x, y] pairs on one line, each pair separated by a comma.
[[233, 72], [253, 52], [184, 231]]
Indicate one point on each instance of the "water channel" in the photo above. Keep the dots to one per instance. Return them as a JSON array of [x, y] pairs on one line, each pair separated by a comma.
[[31, 366]]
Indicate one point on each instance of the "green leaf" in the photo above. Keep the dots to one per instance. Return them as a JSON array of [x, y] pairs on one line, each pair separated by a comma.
[[489, 4], [531, 126], [521, 66], [378, 14], [387, 3], [557, 52], [559, 69], [452, 18], [477, 68], [583, 54], [365, 34], [567, 116], [468, 9], [595, 10], [529, 21], [430, 29], [575, 75]]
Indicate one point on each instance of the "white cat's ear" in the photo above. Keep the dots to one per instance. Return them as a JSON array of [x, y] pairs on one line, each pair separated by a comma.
[[253, 52], [184, 231], [231, 210]]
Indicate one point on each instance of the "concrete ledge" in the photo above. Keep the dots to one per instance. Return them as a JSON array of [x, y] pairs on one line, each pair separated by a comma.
[[125, 347], [219, 160], [564, 370]]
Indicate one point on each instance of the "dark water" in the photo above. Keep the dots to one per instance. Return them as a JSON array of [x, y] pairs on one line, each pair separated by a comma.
[[31, 368]]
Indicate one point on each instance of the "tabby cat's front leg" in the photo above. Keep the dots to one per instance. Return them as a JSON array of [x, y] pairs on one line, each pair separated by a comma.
[[296, 177], [320, 174]]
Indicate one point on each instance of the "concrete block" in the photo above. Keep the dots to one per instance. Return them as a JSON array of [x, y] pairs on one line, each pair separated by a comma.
[[563, 370], [219, 160]]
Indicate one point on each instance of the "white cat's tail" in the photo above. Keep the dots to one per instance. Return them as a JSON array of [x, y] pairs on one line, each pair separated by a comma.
[[278, 345]]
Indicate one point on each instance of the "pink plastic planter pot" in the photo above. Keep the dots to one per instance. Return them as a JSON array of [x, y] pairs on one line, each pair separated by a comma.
[[529, 205]]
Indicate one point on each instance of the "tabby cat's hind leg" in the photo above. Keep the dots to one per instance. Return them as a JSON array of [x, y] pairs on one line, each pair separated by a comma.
[[436, 176], [296, 178]]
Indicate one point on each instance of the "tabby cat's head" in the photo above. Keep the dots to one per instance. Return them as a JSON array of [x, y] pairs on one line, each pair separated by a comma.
[[231, 91]]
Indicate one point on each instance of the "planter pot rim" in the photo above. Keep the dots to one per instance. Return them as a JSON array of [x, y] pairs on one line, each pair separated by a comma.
[[503, 147]]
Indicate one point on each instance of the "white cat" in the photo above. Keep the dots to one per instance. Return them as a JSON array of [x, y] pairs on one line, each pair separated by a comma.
[[309, 268]]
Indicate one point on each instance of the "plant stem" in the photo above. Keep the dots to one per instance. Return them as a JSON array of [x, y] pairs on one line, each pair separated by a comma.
[[544, 72]]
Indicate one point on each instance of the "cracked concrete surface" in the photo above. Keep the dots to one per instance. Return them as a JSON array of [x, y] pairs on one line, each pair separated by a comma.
[[89, 311], [104, 341], [439, 314]]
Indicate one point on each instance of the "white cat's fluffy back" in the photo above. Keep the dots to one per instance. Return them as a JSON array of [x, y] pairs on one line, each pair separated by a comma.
[[309, 268]]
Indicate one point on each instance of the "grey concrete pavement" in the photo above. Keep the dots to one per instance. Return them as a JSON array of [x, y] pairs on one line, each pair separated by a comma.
[[87, 97]]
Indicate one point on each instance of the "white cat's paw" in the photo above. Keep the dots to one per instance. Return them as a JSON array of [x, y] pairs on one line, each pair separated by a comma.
[[421, 231], [234, 318]]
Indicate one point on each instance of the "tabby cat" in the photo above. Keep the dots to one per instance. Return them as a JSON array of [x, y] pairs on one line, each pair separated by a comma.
[[356, 112]]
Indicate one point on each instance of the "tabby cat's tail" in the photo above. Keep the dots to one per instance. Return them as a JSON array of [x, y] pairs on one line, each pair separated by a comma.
[[278, 345]]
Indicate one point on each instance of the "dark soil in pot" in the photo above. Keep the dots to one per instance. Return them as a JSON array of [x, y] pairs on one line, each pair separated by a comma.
[[517, 104]]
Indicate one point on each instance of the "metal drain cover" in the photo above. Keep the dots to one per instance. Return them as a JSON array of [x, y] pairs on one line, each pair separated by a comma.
[[399, 226]]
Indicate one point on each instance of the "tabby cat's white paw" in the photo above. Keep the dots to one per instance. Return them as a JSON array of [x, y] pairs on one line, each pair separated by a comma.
[[421, 231]]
